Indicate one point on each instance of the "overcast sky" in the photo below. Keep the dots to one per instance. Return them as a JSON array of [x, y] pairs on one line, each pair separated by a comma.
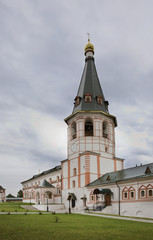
[[41, 63]]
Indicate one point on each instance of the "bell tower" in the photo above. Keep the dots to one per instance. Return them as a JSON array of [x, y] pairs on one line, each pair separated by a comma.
[[91, 136]]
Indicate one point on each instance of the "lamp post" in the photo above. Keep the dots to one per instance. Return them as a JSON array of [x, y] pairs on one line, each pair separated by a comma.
[[47, 203], [69, 199], [30, 198]]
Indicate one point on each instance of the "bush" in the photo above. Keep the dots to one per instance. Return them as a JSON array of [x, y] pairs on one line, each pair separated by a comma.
[[8, 213], [53, 213], [40, 213], [57, 219]]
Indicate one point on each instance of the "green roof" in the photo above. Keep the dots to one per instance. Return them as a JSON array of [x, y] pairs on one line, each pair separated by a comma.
[[57, 168], [90, 84], [46, 184], [141, 171]]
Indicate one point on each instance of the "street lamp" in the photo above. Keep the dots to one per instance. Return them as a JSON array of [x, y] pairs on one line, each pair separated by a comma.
[[47, 203], [30, 198], [69, 199]]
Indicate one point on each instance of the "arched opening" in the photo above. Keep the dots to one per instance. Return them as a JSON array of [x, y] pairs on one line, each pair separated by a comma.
[[73, 130], [48, 197], [107, 199], [38, 198], [105, 129], [88, 127]]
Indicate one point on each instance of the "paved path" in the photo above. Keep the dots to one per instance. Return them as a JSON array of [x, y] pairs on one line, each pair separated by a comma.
[[117, 217]]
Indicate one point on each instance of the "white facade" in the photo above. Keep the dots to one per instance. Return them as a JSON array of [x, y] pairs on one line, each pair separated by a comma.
[[34, 193], [91, 155], [2, 194], [129, 198]]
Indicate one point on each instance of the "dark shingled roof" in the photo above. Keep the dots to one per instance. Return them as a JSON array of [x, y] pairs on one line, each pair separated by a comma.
[[90, 84], [45, 184], [142, 171], [44, 173]]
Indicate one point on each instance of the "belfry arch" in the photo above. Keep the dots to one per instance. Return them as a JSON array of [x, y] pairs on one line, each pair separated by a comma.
[[73, 130], [89, 130], [105, 129]]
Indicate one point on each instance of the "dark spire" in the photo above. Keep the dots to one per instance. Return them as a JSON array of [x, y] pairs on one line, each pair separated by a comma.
[[90, 96]]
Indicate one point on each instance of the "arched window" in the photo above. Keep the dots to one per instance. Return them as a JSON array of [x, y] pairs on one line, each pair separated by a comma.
[[77, 101], [142, 191], [88, 127], [99, 100], [125, 193], [74, 172], [73, 130], [131, 192], [150, 190], [88, 97], [92, 197], [150, 193], [105, 129], [50, 195]]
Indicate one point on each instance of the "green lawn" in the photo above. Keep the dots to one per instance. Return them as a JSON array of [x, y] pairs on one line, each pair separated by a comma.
[[14, 203], [75, 227], [13, 207]]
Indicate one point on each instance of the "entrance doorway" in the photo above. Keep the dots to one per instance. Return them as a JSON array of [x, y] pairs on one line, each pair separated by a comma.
[[107, 199]]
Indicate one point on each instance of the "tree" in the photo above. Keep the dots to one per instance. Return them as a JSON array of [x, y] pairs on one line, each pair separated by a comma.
[[20, 194]]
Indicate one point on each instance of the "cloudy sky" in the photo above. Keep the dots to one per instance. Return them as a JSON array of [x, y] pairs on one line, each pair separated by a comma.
[[42, 59]]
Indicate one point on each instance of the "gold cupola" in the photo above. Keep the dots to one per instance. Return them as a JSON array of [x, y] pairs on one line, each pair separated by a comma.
[[89, 47]]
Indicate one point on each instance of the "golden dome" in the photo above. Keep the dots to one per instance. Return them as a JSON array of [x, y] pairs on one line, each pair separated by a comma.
[[89, 47]]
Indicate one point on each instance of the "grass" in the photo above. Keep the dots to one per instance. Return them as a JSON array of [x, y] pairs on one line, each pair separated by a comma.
[[13, 207], [71, 226], [14, 203]]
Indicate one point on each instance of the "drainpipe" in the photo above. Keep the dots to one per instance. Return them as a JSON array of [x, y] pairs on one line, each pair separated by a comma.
[[118, 198], [61, 188]]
